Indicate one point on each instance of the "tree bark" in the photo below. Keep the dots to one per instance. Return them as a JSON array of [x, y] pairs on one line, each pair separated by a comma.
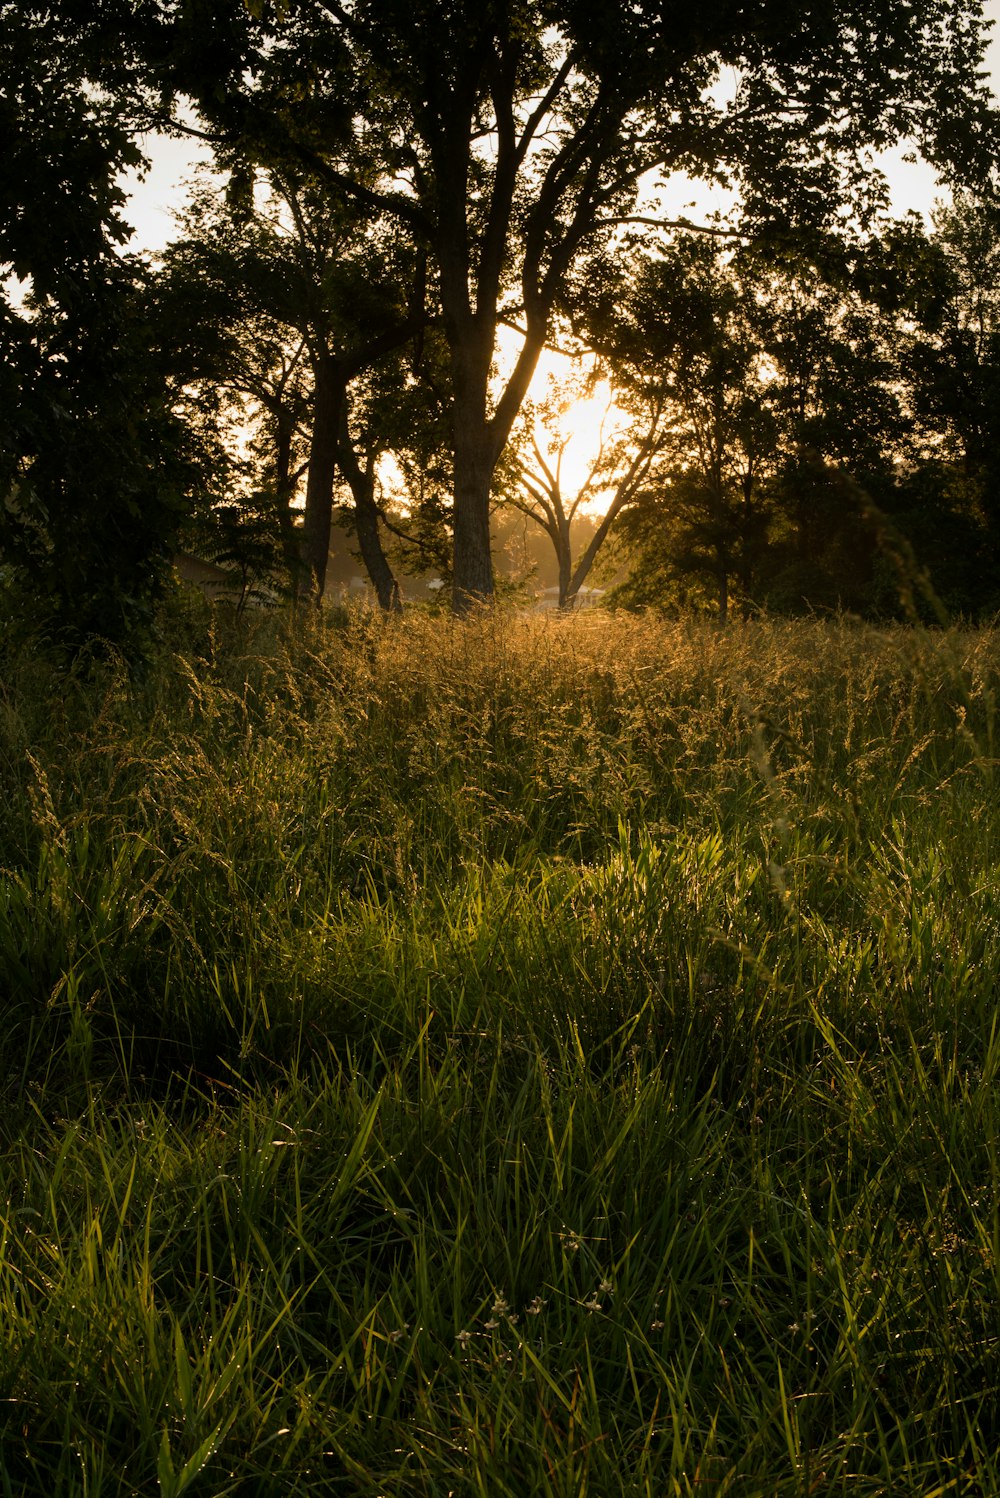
[[366, 519], [284, 493], [327, 408], [479, 441], [475, 459], [472, 576]]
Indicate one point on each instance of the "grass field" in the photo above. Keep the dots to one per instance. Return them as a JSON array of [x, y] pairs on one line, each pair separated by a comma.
[[524, 1056]]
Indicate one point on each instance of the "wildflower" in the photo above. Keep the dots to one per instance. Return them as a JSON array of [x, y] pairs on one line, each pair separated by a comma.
[[499, 1306], [605, 1288], [656, 1326], [463, 1338], [535, 1309], [400, 1333], [491, 1325]]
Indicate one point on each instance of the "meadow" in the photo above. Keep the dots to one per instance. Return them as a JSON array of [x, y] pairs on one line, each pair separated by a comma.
[[514, 1056]]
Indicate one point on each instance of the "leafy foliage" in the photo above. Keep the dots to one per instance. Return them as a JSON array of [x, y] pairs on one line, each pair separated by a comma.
[[95, 469]]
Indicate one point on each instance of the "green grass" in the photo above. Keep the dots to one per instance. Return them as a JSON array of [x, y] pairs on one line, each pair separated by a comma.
[[510, 1057]]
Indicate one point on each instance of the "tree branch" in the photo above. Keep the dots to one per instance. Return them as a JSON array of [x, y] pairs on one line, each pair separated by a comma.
[[669, 223], [545, 104]]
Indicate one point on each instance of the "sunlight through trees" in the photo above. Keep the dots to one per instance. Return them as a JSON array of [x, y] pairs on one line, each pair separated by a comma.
[[411, 208]]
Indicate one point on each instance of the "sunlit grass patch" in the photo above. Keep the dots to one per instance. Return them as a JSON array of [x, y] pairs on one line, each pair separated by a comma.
[[515, 1056]]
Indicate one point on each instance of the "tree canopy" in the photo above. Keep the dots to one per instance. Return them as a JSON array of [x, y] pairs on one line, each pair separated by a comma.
[[512, 138], [455, 170]]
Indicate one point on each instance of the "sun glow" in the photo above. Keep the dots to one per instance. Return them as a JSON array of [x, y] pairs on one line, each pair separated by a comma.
[[570, 414], [575, 441]]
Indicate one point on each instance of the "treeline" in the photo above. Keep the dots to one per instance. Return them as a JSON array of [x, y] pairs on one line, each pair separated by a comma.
[[411, 203], [831, 427]]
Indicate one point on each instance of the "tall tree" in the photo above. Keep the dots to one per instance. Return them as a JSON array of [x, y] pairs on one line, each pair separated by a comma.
[[512, 135], [688, 329], [780, 376], [241, 371], [836, 394], [95, 469]]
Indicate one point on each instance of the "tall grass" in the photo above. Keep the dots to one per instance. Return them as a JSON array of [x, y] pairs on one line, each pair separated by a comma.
[[502, 1057]]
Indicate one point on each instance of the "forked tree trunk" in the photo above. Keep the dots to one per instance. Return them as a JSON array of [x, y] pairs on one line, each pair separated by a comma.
[[479, 437]]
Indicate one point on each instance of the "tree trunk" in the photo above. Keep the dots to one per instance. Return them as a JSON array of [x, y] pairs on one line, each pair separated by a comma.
[[597, 540], [470, 329], [366, 518], [564, 556], [284, 493], [328, 404], [746, 540], [472, 576]]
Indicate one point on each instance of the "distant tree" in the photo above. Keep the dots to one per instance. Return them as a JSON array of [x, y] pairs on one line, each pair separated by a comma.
[[240, 370], [837, 399], [298, 304], [684, 333], [616, 476], [396, 424], [948, 288], [781, 376]]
